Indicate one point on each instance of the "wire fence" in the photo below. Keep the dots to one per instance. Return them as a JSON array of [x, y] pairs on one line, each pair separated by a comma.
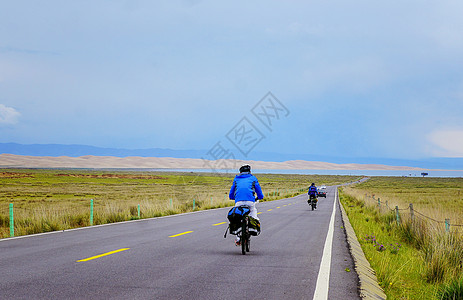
[[413, 213]]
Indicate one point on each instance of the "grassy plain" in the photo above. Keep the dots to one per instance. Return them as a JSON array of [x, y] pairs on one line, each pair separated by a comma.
[[48, 200], [429, 262], [438, 198]]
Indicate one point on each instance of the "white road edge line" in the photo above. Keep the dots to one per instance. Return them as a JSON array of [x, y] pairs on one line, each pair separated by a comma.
[[323, 280]]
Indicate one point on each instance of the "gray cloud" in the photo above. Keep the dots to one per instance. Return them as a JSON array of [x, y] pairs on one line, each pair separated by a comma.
[[382, 73]]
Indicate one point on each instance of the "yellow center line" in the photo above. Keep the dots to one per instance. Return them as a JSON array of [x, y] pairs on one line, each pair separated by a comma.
[[269, 209], [278, 207], [104, 254], [219, 223], [176, 235], [285, 205], [259, 213]]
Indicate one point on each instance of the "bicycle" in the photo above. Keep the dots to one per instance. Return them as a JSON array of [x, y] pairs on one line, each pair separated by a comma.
[[242, 229], [245, 237], [312, 201]]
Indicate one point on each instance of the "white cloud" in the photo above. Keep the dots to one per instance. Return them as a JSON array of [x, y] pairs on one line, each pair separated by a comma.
[[8, 115], [447, 143]]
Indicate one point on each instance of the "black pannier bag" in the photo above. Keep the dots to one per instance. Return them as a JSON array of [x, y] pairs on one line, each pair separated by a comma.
[[254, 226], [236, 214]]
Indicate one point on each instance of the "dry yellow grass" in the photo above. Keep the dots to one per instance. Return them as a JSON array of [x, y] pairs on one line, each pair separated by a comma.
[[47, 200], [434, 200]]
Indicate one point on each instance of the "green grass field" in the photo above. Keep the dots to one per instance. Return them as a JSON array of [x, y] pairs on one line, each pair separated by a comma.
[[48, 200], [414, 259], [417, 257]]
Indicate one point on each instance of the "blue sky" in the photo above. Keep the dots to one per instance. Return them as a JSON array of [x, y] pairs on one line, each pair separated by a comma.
[[357, 78]]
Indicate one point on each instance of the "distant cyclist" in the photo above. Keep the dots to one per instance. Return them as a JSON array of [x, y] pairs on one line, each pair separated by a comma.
[[313, 193], [243, 190]]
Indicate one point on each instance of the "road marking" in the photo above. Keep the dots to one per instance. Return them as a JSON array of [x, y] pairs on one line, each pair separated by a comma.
[[176, 235], [323, 280], [285, 205], [278, 207], [104, 254], [269, 209], [259, 213], [219, 223]]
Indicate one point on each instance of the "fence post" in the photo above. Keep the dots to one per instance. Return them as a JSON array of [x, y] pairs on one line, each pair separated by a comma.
[[91, 212], [447, 225], [412, 213], [11, 221], [139, 211], [397, 214]]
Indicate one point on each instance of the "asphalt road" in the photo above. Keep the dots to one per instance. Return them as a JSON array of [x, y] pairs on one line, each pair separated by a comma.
[[155, 262]]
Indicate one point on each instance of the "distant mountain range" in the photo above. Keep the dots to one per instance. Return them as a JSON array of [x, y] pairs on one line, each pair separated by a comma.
[[55, 150]]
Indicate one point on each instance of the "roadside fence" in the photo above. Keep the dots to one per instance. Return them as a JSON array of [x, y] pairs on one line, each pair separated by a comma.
[[11, 215], [413, 214]]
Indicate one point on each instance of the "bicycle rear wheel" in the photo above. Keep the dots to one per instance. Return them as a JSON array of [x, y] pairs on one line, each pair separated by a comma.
[[244, 237]]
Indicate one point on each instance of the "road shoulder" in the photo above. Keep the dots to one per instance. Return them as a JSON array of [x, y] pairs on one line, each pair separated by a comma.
[[368, 283], [344, 281]]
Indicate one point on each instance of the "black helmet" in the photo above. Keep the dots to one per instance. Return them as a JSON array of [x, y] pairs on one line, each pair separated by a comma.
[[245, 168], [313, 183]]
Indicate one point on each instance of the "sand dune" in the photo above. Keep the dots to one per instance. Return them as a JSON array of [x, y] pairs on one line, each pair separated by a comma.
[[89, 161]]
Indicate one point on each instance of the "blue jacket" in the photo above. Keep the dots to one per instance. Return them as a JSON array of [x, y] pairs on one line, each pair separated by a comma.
[[313, 190], [243, 188]]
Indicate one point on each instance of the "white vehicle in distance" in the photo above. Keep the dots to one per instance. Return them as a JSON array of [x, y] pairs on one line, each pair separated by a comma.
[[322, 191]]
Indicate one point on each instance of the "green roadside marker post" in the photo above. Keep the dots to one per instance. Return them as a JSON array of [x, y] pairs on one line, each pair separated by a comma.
[[211, 201], [193, 204], [91, 212], [171, 205], [447, 225], [139, 211], [11, 221]]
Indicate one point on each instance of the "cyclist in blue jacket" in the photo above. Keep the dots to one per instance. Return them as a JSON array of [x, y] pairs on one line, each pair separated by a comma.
[[243, 190], [313, 193]]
